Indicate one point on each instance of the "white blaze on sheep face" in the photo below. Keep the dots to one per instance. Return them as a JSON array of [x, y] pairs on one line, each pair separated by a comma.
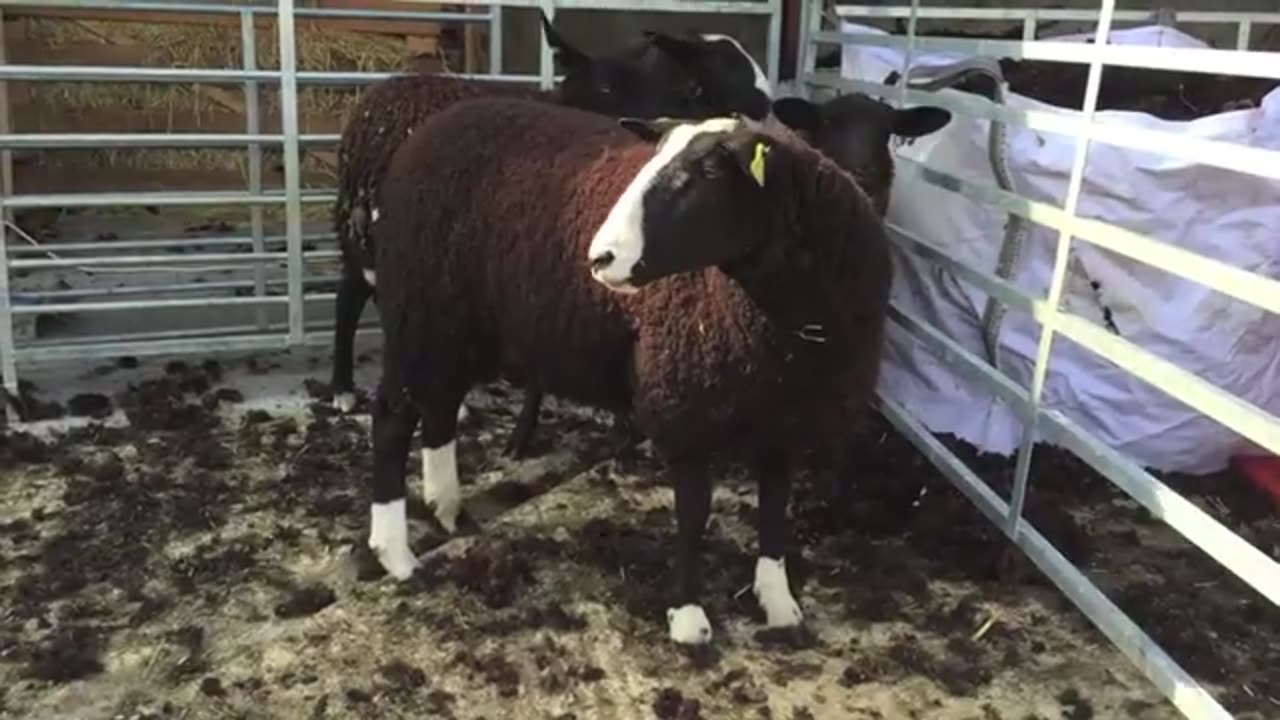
[[780, 608], [688, 625], [761, 80], [618, 244], [440, 483], [389, 539]]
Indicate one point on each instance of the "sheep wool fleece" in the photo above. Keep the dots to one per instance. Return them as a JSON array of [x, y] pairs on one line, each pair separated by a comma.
[[384, 116], [489, 209]]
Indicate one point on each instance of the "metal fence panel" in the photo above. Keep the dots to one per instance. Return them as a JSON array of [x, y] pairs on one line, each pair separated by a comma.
[[1253, 566], [290, 252]]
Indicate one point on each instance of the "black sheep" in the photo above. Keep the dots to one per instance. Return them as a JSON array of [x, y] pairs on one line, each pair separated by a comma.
[[642, 81], [738, 303]]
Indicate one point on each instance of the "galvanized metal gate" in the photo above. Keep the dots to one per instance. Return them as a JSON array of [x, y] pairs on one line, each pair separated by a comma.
[[1240, 557], [255, 253]]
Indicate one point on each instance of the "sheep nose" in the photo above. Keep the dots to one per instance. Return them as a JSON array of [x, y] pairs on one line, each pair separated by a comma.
[[602, 261]]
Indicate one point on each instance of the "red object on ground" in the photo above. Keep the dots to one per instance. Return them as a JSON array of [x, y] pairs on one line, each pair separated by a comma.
[[1263, 471]]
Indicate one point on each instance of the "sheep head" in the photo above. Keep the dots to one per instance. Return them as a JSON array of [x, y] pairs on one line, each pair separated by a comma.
[[725, 78], [700, 201], [615, 85], [854, 131]]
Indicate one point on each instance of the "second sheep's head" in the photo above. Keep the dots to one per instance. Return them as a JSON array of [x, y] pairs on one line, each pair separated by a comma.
[[854, 131], [700, 201], [693, 77]]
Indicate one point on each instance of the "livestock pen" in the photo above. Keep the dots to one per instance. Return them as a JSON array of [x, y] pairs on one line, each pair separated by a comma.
[[180, 543]]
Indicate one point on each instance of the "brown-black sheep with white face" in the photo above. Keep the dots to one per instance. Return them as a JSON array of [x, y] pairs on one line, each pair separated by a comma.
[[853, 130], [727, 285], [660, 75]]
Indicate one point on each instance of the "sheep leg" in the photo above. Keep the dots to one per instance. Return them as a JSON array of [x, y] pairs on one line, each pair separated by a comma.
[[393, 426], [770, 586], [687, 622], [353, 293], [526, 423], [440, 489], [626, 436]]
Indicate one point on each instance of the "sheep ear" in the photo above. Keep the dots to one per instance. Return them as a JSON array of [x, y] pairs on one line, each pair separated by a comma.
[[683, 51], [798, 114], [568, 55], [649, 130], [918, 121]]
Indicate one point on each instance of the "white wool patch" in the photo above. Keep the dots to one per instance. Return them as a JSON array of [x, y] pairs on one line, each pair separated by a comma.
[[762, 81], [622, 232], [370, 277], [440, 483], [389, 538], [780, 608], [689, 625]]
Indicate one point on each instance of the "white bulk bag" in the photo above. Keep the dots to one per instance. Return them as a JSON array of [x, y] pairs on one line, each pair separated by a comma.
[[1218, 213]]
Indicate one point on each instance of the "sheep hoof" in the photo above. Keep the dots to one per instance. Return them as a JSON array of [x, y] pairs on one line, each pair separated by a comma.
[[688, 625], [398, 561], [780, 609], [344, 402], [446, 515], [782, 612]]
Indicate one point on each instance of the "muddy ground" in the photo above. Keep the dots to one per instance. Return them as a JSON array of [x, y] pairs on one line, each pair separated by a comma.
[[204, 562]]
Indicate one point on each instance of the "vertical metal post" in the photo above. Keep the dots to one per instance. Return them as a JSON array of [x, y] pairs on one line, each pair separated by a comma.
[[773, 48], [1031, 424], [495, 39], [810, 23], [8, 363], [292, 166], [1029, 28], [1243, 32], [907, 58], [546, 63], [253, 126]]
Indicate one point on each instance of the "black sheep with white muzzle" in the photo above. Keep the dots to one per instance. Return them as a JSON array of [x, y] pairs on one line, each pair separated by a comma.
[[727, 286]]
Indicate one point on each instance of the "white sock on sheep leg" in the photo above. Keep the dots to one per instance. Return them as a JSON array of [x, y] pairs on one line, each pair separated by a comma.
[[440, 484], [344, 402], [780, 608], [389, 538], [688, 625]]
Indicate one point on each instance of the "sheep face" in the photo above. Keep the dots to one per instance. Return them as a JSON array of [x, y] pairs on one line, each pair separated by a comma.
[[725, 77], [699, 202], [854, 130]]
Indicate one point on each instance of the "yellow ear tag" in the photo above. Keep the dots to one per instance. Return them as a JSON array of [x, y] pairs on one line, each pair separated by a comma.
[[757, 163]]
